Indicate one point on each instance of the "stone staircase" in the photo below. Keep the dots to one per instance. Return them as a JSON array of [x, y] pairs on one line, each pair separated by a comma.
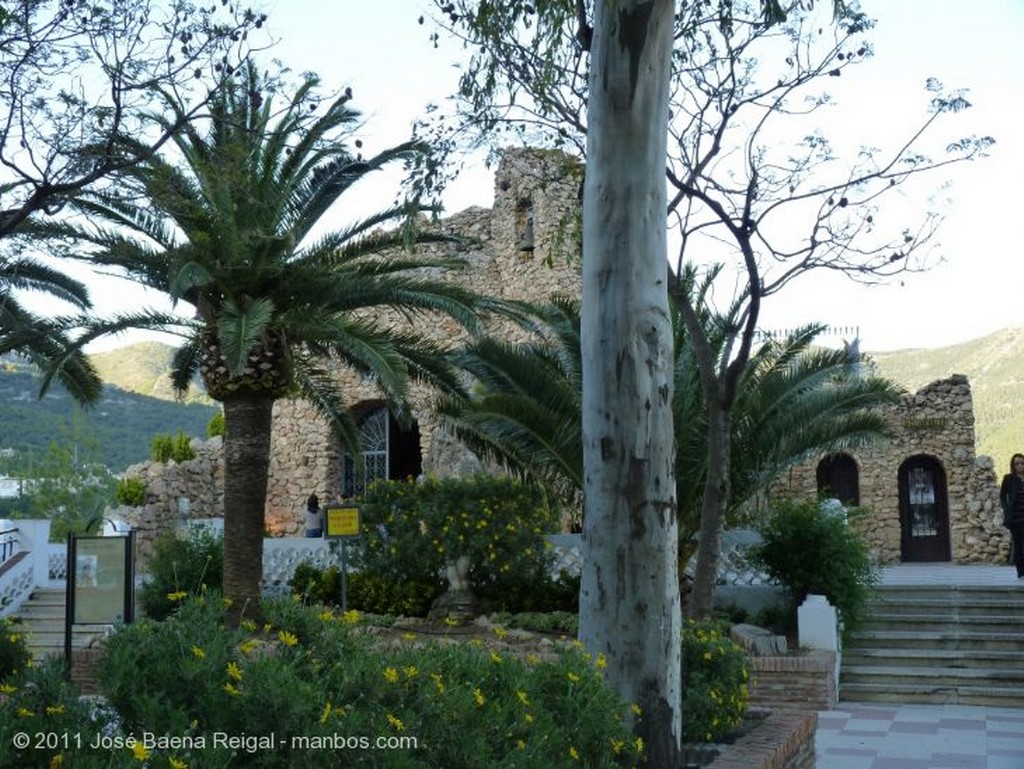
[[939, 644], [42, 620]]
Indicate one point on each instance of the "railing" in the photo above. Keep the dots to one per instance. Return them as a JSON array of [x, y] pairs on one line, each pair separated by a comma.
[[8, 544], [20, 576]]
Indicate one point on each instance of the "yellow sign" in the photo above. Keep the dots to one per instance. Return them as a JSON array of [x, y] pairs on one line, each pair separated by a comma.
[[342, 521]]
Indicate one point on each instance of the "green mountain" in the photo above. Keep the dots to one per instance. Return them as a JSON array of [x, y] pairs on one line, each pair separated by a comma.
[[121, 425], [994, 365], [144, 368]]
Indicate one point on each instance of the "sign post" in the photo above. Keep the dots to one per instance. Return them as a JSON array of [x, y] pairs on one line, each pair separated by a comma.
[[100, 584], [341, 522]]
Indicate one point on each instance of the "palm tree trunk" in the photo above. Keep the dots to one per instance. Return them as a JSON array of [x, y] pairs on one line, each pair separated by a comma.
[[247, 423]]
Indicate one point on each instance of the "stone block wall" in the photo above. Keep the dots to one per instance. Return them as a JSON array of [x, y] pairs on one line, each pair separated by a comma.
[[937, 421]]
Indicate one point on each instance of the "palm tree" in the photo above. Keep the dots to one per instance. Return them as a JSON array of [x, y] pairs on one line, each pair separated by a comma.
[[224, 222], [796, 400], [44, 341]]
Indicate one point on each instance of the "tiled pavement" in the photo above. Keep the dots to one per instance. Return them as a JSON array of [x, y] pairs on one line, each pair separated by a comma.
[[882, 736]]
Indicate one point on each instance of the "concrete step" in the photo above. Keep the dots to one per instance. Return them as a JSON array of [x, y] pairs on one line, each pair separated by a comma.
[[912, 639], [952, 622], [914, 694], [950, 658], [939, 678]]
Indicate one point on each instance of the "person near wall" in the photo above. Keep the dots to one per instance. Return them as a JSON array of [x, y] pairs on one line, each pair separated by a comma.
[[313, 517], [1011, 497]]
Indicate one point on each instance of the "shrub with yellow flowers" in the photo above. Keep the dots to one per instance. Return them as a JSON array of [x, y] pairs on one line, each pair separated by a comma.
[[411, 530], [14, 653], [715, 681]]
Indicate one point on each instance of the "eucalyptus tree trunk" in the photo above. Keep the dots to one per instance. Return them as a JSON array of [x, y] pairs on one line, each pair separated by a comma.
[[247, 423], [713, 507], [629, 600]]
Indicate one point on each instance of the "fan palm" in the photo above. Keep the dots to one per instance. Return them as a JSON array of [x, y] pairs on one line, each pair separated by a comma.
[[796, 400], [44, 341], [224, 222]]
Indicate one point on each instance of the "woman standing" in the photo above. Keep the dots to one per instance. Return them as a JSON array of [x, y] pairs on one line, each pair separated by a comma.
[[313, 517], [1011, 497]]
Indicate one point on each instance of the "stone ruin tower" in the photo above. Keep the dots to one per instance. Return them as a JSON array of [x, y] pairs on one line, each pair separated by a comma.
[[528, 246]]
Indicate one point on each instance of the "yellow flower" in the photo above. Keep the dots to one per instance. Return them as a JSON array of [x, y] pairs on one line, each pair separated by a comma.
[[391, 675], [438, 682], [495, 658], [478, 697], [230, 689], [198, 653], [529, 718], [532, 659], [226, 602], [408, 636], [573, 753], [637, 710], [325, 714], [248, 625], [617, 745], [234, 671], [24, 712], [140, 751], [57, 761], [601, 661], [326, 615], [177, 763], [54, 710], [638, 745], [450, 622], [351, 617], [500, 631], [573, 678], [396, 723], [177, 595], [523, 698], [247, 646], [8, 689], [288, 639], [410, 671]]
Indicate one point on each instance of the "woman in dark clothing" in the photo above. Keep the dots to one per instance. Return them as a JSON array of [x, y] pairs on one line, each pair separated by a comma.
[[1011, 496]]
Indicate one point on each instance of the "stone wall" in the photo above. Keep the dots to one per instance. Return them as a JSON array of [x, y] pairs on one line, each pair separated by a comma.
[[536, 191], [175, 492], [937, 422]]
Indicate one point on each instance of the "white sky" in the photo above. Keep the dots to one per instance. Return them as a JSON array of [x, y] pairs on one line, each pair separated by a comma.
[[381, 51]]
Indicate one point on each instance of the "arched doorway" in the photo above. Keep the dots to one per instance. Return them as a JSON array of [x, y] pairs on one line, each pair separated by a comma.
[[838, 477], [389, 451], [924, 510]]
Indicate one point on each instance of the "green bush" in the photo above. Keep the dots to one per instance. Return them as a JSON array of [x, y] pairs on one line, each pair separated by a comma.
[[715, 688], [411, 530], [215, 426], [314, 585], [809, 550], [14, 653], [40, 702], [377, 593], [181, 566], [131, 492], [165, 448], [307, 674]]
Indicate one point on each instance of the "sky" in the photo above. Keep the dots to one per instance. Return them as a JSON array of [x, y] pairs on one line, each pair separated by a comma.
[[384, 54]]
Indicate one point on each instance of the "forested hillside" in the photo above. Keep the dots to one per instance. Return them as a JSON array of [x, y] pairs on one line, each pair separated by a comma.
[[994, 365], [122, 424]]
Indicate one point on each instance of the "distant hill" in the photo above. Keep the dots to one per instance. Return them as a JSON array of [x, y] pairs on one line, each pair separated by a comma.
[[123, 422], [144, 368], [994, 365]]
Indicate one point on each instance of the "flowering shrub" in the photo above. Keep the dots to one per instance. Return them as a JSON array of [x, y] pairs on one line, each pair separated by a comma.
[[181, 566], [411, 530], [715, 674], [14, 653], [308, 678]]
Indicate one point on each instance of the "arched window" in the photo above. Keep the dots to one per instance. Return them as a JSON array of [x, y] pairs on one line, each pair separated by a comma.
[[388, 452], [839, 478]]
